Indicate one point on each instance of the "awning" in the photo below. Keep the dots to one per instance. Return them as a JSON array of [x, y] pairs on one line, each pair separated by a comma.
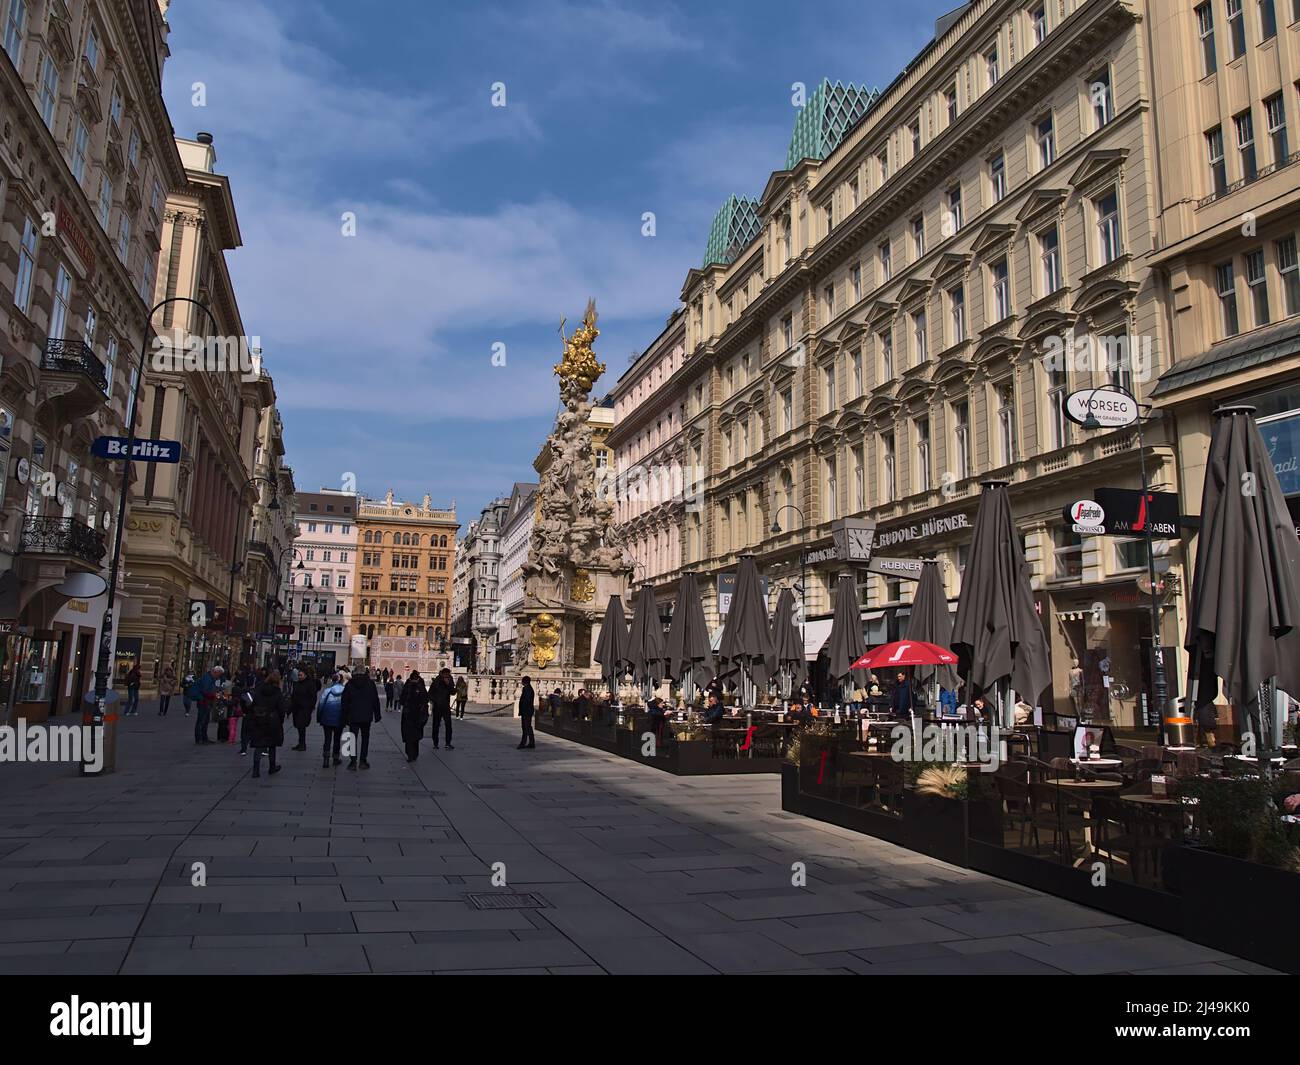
[[1256, 348], [815, 634]]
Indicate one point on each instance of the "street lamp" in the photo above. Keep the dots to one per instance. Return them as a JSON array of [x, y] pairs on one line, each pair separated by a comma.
[[803, 569], [102, 667], [1158, 678], [235, 564]]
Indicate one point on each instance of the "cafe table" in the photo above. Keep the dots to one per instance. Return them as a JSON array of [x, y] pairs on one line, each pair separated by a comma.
[[1091, 785], [1098, 762]]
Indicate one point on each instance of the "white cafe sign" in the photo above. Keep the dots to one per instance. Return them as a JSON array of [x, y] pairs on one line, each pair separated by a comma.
[[930, 527]]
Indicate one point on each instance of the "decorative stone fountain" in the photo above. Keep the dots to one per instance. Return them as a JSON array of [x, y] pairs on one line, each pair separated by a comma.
[[575, 562]]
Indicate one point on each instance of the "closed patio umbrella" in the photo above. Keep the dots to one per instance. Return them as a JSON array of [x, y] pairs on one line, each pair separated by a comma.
[[747, 638], [930, 622], [611, 644], [1242, 625], [787, 643], [845, 644], [645, 642], [997, 634], [688, 651]]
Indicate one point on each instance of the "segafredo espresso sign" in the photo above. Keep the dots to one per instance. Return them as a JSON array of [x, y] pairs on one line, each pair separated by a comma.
[[1086, 517], [1108, 407]]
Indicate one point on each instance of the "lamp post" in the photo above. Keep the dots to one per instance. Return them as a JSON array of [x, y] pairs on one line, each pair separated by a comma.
[[1158, 676], [102, 666], [235, 564], [275, 610]]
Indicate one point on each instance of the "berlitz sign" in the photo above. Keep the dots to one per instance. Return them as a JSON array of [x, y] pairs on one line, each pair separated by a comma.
[[115, 447], [1108, 407]]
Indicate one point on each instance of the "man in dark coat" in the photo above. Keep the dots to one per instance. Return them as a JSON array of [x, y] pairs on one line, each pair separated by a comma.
[[527, 704], [360, 710], [265, 722], [302, 701], [900, 699], [415, 714], [442, 690]]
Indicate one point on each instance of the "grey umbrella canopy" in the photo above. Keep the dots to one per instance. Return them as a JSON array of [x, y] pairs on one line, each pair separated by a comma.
[[787, 642], [845, 644], [747, 638], [688, 648], [1245, 607], [645, 640], [931, 622], [997, 635], [612, 644]]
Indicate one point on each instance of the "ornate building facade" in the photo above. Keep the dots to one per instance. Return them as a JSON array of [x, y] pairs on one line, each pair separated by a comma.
[[476, 597], [86, 160], [321, 576]]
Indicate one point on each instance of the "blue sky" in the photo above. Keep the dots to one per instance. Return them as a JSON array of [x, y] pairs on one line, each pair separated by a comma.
[[475, 224]]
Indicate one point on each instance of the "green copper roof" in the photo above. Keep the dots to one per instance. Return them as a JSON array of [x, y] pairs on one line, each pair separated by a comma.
[[734, 226], [825, 118]]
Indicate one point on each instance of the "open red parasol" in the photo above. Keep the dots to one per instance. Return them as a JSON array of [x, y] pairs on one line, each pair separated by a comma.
[[906, 653]]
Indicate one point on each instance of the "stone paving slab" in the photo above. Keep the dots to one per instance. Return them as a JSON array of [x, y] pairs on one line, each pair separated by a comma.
[[322, 870]]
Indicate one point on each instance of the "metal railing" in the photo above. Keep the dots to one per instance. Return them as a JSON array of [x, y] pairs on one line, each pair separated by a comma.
[[63, 536], [1241, 183], [74, 356]]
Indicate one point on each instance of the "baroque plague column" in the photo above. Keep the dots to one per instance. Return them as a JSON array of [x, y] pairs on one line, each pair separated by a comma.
[[574, 561]]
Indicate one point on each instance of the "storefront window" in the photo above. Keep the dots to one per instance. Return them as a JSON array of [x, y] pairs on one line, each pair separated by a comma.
[[1131, 554], [1068, 553], [36, 677]]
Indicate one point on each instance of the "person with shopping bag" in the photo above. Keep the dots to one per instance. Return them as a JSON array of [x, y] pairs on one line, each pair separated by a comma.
[[329, 715]]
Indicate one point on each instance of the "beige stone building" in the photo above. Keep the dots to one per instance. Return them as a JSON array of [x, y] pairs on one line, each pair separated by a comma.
[[187, 548], [86, 161], [886, 325]]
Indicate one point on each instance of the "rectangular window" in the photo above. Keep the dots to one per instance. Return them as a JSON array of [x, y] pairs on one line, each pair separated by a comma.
[[146, 281], [1101, 98], [1275, 115], [1226, 283], [859, 479], [1246, 144], [920, 342], [828, 303], [1290, 270], [787, 413], [787, 332], [1108, 243], [887, 355], [828, 216], [49, 89], [26, 266], [998, 176], [1007, 422], [1049, 244], [890, 467], [950, 99], [1000, 277], [832, 487], [957, 313], [1257, 283], [1267, 20], [1045, 135], [954, 210], [1218, 168], [123, 236], [1236, 29], [961, 438], [115, 106], [133, 148], [92, 49], [1205, 30], [886, 262], [922, 454], [1057, 390], [991, 66], [62, 297], [855, 366], [918, 236], [110, 364], [882, 164], [855, 282], [80, 143], [914, 131], [852, 185], [91, 324], [15, 24], [828, 387], [1038, 20]]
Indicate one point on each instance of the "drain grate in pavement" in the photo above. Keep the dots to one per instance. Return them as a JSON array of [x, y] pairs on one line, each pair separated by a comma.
[[507, 900]]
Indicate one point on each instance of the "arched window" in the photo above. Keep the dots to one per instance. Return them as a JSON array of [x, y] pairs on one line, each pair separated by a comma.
[[410, 631], [420, 610], [442, 541], [438, 610], [368, 535], [415, 540], [401, 610]]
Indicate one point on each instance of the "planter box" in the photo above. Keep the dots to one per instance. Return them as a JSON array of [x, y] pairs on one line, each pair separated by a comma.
[[1236, 906]]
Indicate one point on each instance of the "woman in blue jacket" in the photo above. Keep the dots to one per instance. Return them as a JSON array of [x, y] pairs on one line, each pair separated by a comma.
[[329, 715]]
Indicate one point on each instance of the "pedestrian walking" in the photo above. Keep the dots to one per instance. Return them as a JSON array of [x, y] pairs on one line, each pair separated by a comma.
[[189, 691], [462, 696], [415, 712], [206, 695], [265, 722], [132, 682], [388, 690], [527, 704], [360, 710], [302, 701], [442, 690], [166, 687], [329, 714], [245, 688]]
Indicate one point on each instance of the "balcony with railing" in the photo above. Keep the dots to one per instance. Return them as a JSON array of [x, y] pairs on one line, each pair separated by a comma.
[[73, 380], [64, 536]]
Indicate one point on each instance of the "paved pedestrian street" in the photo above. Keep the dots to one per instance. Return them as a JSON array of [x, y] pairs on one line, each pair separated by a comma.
[[626, 870]]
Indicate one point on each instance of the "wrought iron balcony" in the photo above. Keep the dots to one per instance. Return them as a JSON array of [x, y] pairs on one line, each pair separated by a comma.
[[64, 536], [75, 357], [261, 547]]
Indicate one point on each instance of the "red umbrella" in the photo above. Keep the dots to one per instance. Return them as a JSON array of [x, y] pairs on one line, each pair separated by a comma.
[[906, 653]]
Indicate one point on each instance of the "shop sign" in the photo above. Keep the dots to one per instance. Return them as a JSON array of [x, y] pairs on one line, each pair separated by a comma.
[[907, 568], [1108, 407], [1134, 512], [940, 526], [1086, 517], [727, 588], [67, 226], [1282, 438], [822, 554]]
